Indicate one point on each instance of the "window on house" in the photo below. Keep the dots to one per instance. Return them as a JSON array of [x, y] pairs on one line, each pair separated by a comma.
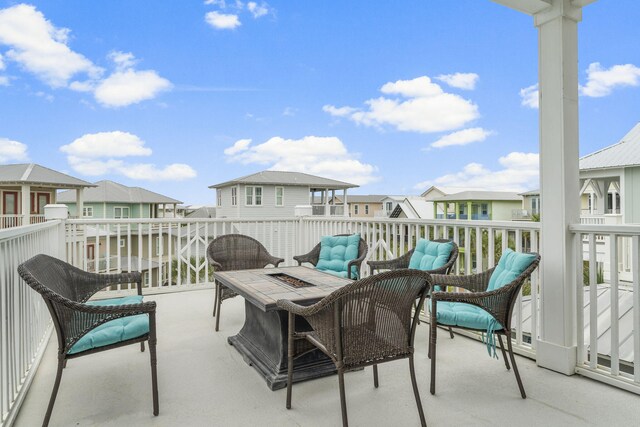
[[158, 246], [279, 196], [355, 209], [389, 206], [219, 197], [122, 243], [234, 197], [484, 207], [535, 205], [366, 209], [87, 212], [145, 278], [253, 196], [121, 212]]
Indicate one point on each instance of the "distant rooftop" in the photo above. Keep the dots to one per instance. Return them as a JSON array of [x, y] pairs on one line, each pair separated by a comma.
[[113, 192], [363, 198], [287, 178], [531, 193], [626, 152], [34, 174], [480, 195]]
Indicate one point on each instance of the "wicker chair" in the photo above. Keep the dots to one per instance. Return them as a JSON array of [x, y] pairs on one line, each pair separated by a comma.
[[497, 303], [364, 323], [235, 252], [314, 256], [403, 262], [66, 290]]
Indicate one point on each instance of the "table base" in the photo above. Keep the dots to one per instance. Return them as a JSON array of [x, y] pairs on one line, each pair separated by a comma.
[[262, 342]]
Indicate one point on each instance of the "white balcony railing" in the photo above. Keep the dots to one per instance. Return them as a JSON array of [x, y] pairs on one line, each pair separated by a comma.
[[9, 221], [171, 253], [25, 323]]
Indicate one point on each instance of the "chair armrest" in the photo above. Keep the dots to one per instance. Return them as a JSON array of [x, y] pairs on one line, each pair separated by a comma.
[[391, 264], [87, 284], [275, 261], [472, 282], [216, 265], [311, 257], [131, 309], [294, 308], [357, 263]]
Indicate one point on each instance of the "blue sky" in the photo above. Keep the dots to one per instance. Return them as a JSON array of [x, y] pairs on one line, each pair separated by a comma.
[[394, 96]]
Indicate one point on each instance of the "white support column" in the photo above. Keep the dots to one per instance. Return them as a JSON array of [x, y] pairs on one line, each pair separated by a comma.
[[175, 210], [327, 209], [25, 205], [345, 211], [79, 202], [559, 182]]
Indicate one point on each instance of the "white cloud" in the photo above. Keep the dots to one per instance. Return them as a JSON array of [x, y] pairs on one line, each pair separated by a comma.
[[323, 156], [239, 146], [222, 21], [103, 153], [460, 80], [2, 65], [520, 172], [220, 3], [601, 81], [427, 109], [4, 81], [462, 137], [257, 10], [530, 96], [12, 151], [107, 144], [41, 48], [123, 60], [128, 87]]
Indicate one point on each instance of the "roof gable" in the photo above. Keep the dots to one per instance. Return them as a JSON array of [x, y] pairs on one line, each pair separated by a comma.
[[32, 173], [626, 152]]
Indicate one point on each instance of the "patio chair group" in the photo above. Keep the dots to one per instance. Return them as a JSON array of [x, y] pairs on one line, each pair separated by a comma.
[[370, 321]]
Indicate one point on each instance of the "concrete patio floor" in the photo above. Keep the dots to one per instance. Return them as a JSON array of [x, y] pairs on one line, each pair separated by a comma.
[[203, 381]]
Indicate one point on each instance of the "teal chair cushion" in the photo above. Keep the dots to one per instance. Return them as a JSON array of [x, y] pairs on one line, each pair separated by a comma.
[[114, 331], [469, 316], [336, 252], [430, 255], [510, 266]]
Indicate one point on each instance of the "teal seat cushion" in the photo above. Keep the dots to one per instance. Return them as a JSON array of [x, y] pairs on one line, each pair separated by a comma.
[[114, 331], [469, 316], [429, 255], [336, 252], [510, 266]]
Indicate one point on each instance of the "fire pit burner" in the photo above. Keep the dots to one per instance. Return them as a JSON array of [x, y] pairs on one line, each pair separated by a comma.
[[290, 280]]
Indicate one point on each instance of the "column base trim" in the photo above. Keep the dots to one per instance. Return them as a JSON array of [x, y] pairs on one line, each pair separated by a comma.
[[557, 358]]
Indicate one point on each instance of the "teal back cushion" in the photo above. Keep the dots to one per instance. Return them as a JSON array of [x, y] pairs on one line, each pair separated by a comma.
[[511, 265], [430, 255], [337, 251]]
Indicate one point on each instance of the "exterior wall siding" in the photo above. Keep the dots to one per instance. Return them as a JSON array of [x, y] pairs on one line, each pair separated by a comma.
[[293, 196], [501, 210], [632, 195]]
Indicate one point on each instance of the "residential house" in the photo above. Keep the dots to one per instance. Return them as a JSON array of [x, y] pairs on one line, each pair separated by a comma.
[[26, 188], [107, 246], [413, 207], [363, 206], [530, 207], [389, 204], [270, 194], [477, 205]]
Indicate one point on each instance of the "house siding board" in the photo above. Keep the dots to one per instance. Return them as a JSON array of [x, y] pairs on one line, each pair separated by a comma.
[[501, 210], [631, 195], [293, 196]]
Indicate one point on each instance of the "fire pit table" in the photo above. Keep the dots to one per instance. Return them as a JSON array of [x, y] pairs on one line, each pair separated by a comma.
[[262, 341]]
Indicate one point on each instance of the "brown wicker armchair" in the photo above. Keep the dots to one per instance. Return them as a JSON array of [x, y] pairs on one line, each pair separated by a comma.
[[235, 252], [498, 303], [364, 323], [117, 322], [314, 255]]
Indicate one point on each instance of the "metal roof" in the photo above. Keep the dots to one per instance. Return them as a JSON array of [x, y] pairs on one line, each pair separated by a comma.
[[366, 198], [113, 192], [626, 152], [287, 178], [480, 195], [531, 193], [34, 174]]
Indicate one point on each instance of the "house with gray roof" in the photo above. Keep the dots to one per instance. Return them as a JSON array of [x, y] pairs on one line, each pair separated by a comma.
[[108, 199], [26, 188], [270, 194], [477, 205]]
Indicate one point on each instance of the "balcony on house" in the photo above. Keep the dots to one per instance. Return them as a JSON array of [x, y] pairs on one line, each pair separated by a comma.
[[172, 254]]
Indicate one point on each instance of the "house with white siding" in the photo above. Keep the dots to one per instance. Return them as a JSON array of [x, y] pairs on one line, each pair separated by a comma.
[[279, 194]]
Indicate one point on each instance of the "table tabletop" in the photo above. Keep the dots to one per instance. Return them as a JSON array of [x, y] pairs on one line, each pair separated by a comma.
[[262, 289]]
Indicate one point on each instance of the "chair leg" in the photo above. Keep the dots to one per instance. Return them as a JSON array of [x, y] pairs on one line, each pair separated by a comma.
[[154, 361], [142, 346], [215, 299], [515, 369], [504, 354], [343, 399], [415, 308], [290, 358], [375, 376], [219, 305], [54, 392], [414, 383], [432, 348], [451, 332]]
